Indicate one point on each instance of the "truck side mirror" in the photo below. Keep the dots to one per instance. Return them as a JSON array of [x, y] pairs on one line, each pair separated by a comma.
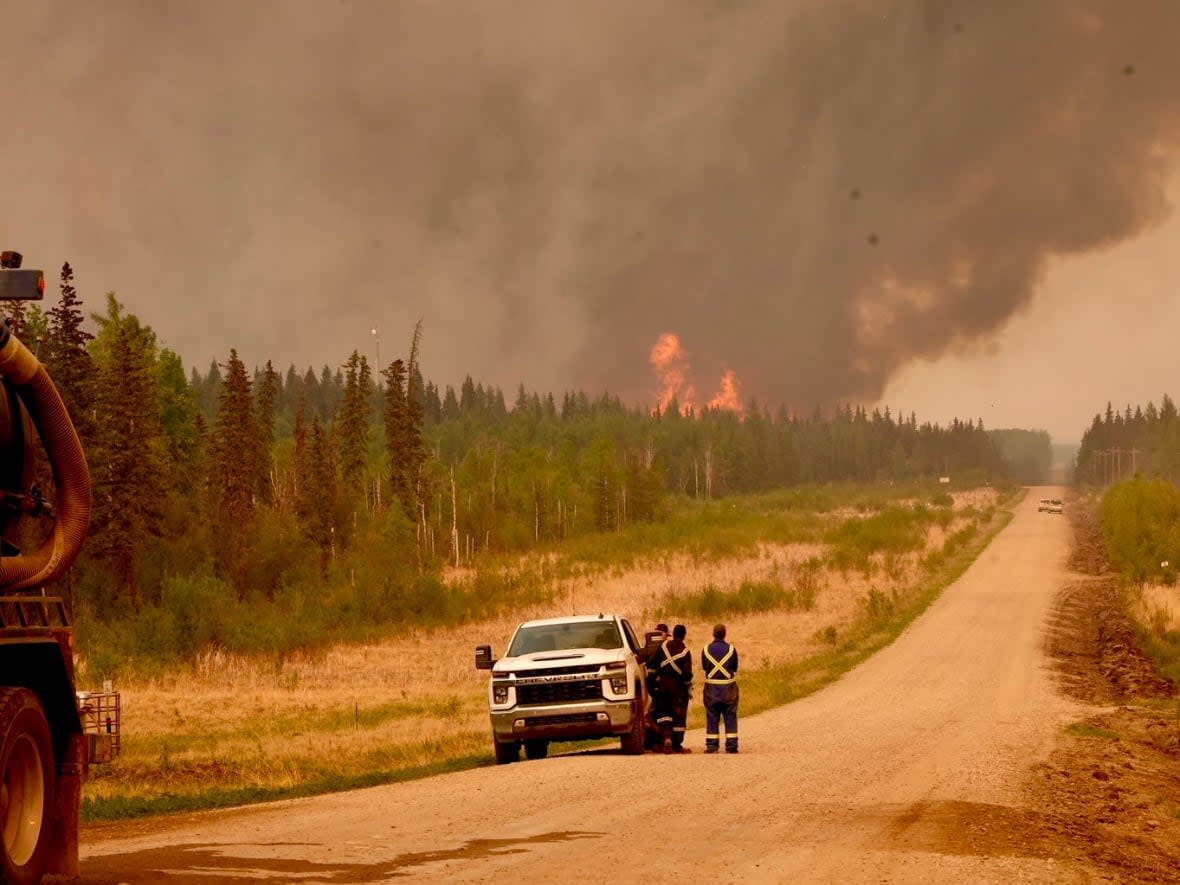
[[483, 657]]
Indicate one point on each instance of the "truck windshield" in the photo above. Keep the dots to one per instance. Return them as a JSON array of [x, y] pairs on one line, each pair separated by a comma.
[[562, 637]]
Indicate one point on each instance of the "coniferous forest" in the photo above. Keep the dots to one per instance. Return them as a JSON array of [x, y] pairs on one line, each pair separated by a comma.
[[262, 508], [1119, 445]]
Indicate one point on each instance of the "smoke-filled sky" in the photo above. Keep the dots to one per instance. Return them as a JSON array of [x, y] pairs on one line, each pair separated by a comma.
[[959, 207]]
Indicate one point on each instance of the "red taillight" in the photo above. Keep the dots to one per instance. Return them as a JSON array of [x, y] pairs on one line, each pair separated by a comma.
[[41, 283]]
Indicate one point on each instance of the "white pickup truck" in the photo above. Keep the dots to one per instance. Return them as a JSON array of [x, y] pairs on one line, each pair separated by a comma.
[[565, 679], [1050, 505]]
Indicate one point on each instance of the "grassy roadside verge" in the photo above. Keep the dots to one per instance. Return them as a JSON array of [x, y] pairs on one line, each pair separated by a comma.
[[312, 751], [451, 759]]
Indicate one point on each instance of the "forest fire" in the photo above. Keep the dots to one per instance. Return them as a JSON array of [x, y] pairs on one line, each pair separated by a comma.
[[730, 395], [671, 364]]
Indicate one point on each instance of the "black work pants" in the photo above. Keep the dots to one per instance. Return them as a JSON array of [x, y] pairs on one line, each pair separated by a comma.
[[672, 710]]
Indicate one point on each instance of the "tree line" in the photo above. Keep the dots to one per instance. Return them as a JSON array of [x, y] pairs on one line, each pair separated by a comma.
[[277, 485], [1119, 445]]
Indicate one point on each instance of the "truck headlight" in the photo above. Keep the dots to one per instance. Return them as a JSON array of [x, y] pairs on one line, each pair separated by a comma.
[[617, 673], [499, 694]]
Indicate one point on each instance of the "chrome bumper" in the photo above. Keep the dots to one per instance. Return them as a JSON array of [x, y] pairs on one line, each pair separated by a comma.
[[564, 722]]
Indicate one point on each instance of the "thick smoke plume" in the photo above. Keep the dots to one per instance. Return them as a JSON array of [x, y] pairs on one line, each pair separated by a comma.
[[812, 194]]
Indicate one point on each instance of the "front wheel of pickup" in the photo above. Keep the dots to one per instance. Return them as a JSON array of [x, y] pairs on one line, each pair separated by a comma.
[[536, 749], [506, 752], [632, 741]]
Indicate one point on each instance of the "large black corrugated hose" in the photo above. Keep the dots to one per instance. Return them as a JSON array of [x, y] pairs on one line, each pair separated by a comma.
[[71, 476]]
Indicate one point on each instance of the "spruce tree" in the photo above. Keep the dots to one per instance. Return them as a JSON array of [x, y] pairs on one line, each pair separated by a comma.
[[178, 417], [235, 459], [415, 413], [66, 356], [130, 455], [266, 395], [13, 312], [397, 445], [320, 493], [301, 461], [354, 426]]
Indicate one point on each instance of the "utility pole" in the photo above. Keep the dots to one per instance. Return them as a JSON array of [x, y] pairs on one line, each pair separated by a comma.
[[376, 333], [1112, 463]]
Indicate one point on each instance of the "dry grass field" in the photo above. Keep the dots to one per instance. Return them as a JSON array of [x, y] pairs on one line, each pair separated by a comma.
[[231, 729], [1158, 605]]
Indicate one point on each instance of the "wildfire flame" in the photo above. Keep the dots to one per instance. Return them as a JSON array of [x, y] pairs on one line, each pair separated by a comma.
[[672, 367], [730, 395]]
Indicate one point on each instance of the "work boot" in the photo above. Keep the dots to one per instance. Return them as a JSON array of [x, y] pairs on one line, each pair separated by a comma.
[[683, 749], [667, 745], [711, 749]]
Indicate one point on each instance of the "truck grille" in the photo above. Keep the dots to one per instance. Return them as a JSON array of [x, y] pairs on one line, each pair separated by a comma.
[[572, 719], [559, 692], [563, 671]]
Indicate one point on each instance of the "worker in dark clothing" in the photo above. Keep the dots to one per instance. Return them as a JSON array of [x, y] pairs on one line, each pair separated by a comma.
[[719, 663], [655, 639], [673, 666], [652, 737]]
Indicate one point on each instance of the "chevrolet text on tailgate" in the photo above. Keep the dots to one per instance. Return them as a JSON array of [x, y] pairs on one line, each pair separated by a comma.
[[566, 679]]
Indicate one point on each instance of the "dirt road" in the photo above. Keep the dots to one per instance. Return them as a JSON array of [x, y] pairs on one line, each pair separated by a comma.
[[906, 770]]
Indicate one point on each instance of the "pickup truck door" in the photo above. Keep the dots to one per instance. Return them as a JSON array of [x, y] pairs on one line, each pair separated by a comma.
[[632, 641]]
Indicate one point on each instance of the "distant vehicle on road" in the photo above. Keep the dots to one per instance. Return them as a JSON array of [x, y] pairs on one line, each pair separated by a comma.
[[1043, 506], [1056, 505]]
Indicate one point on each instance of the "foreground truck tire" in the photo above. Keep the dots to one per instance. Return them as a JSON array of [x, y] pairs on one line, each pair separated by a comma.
[[26, 765], [507, 751], [536, 749], [632, 741]]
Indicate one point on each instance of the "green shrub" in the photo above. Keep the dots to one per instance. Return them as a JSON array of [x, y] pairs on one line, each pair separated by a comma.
[[958, 540], [827, 635], [1141, 526], [880, 605], [895, 530], [934, 560], [194, 613], [750, 597]]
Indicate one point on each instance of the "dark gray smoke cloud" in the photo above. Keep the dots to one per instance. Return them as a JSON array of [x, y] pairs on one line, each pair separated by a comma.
[[814, 194]]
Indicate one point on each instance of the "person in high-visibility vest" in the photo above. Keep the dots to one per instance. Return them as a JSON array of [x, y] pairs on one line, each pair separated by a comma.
[[719, 664], [673, 664]]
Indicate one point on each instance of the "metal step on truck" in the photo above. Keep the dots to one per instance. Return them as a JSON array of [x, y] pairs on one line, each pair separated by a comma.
[[49, 734]]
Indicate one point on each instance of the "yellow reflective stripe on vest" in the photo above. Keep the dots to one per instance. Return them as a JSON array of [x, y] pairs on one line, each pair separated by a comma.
[[718, 667], [670, 661]]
